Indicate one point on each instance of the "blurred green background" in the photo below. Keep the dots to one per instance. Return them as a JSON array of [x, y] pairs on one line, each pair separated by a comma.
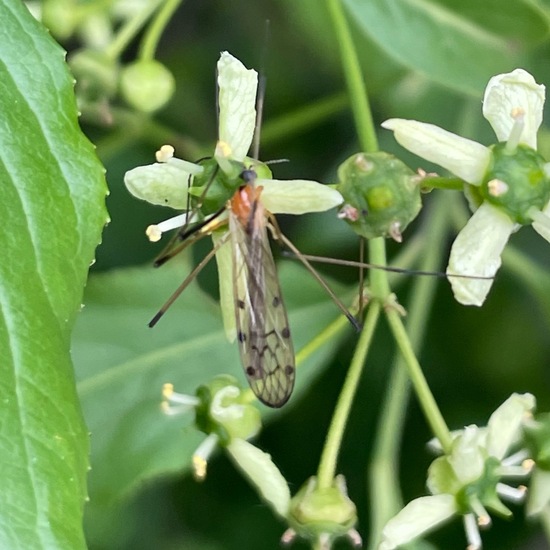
[[418, 67]]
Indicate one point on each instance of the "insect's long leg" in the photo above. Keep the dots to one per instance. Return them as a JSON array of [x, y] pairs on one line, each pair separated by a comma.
[[196, 233], [185, 231], [351, 263], [198, 268], [277, 234], [202, 196], [361, 276]]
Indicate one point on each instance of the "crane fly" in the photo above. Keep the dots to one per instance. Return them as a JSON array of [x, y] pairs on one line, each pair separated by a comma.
[[263, 333]]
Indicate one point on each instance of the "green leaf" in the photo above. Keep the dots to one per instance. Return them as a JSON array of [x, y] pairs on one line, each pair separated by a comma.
[[457, 49], [52, 210], [122, 364], [523, 21]]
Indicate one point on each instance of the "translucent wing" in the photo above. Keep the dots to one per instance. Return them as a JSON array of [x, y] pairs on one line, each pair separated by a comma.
[[263, 333]]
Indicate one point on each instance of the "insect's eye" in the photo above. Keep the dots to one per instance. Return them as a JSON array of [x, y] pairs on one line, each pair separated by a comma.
[[248, 175]]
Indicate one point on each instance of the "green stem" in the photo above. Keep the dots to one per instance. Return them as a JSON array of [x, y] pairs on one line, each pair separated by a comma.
[[155, 30], [129, 30], [544, 519], [357, 90], [383, 476], [327, 464], [326, 335], [366, 132], [367, 138], [425, 397]]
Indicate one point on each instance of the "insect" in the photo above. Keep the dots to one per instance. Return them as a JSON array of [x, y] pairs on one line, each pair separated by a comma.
[[263, 333]]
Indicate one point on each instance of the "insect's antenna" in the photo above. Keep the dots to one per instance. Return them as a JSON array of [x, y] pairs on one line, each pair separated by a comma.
[[198, 268], [192, 235], [277, 234], [262, 81], [391, 269]]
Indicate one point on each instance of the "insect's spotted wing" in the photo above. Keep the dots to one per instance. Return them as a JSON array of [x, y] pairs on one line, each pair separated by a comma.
[[263, 333]]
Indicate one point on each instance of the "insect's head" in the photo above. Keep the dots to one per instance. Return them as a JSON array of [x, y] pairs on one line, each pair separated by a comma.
[[248, 175]]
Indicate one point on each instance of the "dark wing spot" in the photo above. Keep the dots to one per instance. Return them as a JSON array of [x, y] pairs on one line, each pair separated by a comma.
[[241, 336], [285, 333], [240, 304], [250, 371], [276, 301], [289, 370]]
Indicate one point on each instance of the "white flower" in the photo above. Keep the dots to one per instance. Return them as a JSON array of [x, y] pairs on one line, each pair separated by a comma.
[[231, 423], [468, 479], [165, 182], [513, 105]]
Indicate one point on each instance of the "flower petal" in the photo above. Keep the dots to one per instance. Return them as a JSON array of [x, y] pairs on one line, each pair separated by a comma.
[[463, 157], [543, 227], [508, 92], [162, 183], [505, 423], [467, 459], [476, 252], [297, 196], [224, 261], [263, 473], [419, 516], [539, 492], [237, 102]]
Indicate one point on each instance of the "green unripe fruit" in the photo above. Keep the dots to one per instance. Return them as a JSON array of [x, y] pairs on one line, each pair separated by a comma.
[[315, 511], [516, 181], [60, 17], [381, 194], [147, 85]]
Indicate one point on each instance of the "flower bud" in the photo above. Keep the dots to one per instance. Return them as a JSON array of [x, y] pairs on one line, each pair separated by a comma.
[[96, 74], [317, 514], [60, 17], [381, 195], [147, 85]]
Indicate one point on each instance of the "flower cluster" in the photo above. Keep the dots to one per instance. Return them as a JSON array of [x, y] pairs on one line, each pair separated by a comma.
[[468, 480], [508, 184]]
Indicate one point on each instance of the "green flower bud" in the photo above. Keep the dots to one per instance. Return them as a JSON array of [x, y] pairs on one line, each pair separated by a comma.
[[147, 85], [316, 513], [96, 74], [381, 195], [60, 17], [516, 181], [223, 412]]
